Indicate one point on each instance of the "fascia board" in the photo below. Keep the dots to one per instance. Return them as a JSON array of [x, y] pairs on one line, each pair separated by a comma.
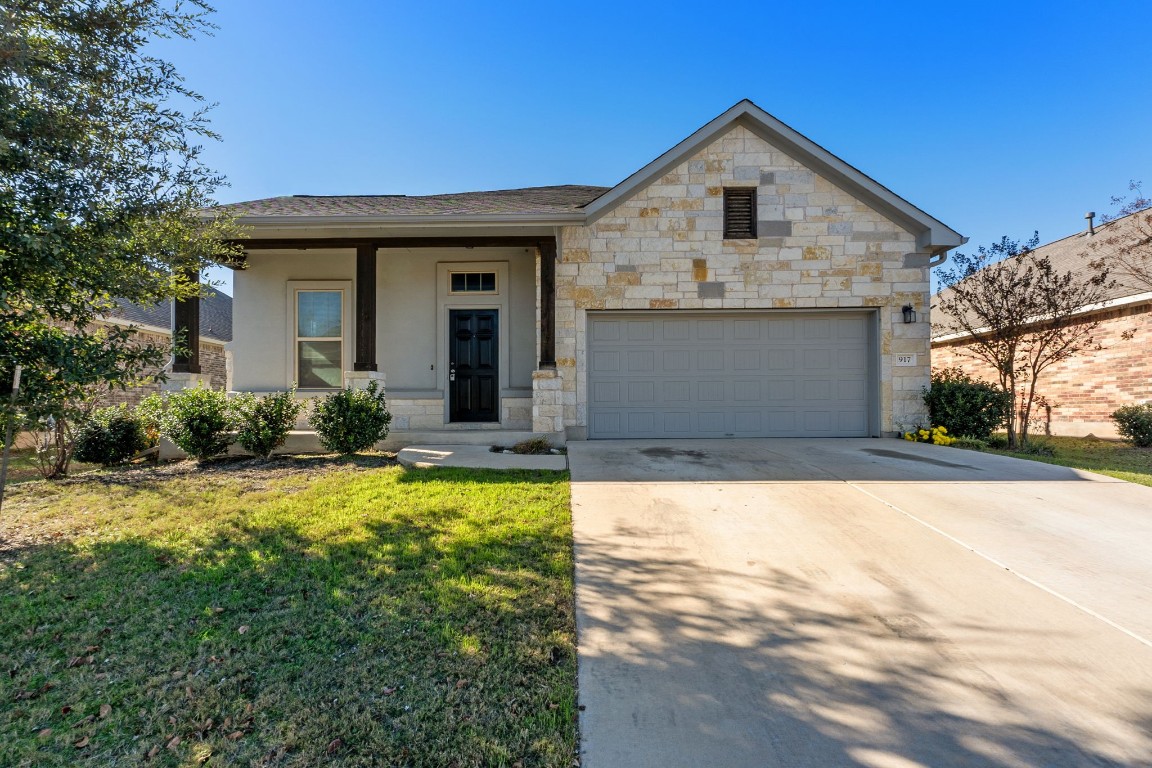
[[931, 234], [413, 221]]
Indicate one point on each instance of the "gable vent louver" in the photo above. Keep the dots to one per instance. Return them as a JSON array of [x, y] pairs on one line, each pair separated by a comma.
[[739, 213]]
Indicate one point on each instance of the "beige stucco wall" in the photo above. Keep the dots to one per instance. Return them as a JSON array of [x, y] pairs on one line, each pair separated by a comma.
[[411, 324], [663, 249]]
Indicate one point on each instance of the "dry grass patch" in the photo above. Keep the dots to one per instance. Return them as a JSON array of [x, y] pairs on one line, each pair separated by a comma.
[[295, 613]]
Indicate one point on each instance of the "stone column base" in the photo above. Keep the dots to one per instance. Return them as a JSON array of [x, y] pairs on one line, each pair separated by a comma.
[[361, 379], [547, 402], [180, 381]]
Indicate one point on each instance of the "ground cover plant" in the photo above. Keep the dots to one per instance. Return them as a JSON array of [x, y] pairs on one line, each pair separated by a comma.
[[1108, 457], [318, 611]]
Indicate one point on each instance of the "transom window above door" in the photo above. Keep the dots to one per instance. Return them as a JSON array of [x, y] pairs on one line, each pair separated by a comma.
[[319, 339], [472, 282]]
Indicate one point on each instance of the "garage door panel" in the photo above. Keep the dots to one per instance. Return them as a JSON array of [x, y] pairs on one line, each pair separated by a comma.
[[677, 359], [641, 392], [605, 361], [710, 360], [606, 392], [712, 421], [675, 330], [710, 330], [724, 375], [746, 359], [711, 391]]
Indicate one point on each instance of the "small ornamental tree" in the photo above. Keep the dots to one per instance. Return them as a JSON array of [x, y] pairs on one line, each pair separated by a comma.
[[102, 194], [351, 420], [1015, 308], [1127, 251]]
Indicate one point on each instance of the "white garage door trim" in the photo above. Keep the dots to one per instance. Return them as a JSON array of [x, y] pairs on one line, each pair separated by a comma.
[[732, 373]]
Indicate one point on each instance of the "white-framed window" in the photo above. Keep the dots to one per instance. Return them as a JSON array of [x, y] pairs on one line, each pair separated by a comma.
[[472, 282], [320, 331]]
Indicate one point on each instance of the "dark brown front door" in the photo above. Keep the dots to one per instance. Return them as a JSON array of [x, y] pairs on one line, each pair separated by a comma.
[[473, 365]]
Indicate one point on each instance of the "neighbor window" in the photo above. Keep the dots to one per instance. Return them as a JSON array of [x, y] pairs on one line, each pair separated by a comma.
[[319, 339], [472, 282], [739, 212]]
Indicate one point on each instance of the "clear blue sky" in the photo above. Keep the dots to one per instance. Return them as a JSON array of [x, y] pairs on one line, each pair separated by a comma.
[[996, 117]]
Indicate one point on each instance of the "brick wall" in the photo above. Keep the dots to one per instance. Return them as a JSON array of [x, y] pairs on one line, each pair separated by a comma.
[[212, 362], [1082, 392], [664, 249]]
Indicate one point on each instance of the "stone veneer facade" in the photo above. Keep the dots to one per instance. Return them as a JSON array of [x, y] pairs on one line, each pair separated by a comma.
[[1082, 392], [663, 249]]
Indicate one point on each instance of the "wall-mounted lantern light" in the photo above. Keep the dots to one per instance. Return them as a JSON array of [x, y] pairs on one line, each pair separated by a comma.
[[909, 313]]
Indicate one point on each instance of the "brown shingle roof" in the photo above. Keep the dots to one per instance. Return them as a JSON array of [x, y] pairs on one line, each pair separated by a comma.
[[1075, 252], [530, 201]]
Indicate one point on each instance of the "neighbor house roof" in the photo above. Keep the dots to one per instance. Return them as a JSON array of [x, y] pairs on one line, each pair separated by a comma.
[[530, 201], [215, 315], [1075, 254]]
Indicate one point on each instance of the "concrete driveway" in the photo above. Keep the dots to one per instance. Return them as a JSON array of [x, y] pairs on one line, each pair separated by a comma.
[[858, 603]]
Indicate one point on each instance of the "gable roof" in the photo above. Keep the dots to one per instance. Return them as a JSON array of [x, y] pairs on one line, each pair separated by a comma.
[[215, 315], [932, 235], [529, 201], [1075, 253], [581, 204]]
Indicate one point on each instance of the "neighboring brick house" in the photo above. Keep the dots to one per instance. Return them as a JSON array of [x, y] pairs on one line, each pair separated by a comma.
[[745, 283], [1080, 394], [154, 325]]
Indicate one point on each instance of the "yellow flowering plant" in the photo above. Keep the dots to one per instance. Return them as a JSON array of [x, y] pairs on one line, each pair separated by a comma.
[[935, 435]]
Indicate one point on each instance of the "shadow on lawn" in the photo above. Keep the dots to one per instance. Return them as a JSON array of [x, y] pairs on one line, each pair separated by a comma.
[[427, 636], [772, 675]]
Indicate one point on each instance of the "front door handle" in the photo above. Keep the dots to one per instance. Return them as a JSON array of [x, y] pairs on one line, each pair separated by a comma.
[[451, 371]]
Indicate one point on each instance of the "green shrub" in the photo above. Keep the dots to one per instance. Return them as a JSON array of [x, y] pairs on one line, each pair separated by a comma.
[[263, 423], [351, 420], [150, 413], [968, 407], [1134, 423], [1035, 448], [998, 441], [198, 421], [111, 436], [970, 443]]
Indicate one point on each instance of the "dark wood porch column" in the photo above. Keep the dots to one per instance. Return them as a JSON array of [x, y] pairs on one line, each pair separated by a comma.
[[547, 302], [365, 333], [186, 326]]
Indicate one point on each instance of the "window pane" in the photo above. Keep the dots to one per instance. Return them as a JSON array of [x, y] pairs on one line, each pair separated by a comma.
[[488, 281], [473, 282], [458, 280], [318, 313], [319, 364]]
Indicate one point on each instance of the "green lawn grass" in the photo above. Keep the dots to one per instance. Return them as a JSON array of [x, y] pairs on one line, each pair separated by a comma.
[[1108, 457], [303, 612]]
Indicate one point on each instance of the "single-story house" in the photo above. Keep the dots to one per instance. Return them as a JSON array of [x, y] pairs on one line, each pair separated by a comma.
[[1081, 393], [745, 283]]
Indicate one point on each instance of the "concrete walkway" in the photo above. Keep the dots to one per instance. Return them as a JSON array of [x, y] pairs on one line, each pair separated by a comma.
[[858, 603], [475, 456]]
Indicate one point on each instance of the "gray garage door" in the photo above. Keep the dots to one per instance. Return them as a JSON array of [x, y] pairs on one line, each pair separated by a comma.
[[667, 374]]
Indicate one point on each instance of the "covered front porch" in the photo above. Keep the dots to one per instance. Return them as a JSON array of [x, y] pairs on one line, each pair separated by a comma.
[[459, 329]]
